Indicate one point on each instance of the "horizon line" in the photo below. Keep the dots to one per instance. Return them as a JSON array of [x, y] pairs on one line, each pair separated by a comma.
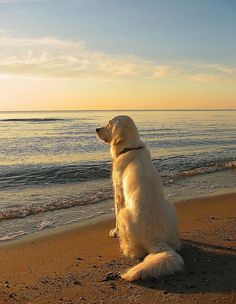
[[115, 110]]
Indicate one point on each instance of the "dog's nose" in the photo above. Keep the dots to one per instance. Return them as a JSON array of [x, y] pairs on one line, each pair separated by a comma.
[[97, 130]]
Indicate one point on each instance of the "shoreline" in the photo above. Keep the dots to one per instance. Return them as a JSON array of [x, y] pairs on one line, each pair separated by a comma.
[[42, 215], [82, 264], [60, 229]]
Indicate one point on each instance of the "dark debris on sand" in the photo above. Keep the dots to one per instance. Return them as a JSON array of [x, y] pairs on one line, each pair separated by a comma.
[[111, 276]]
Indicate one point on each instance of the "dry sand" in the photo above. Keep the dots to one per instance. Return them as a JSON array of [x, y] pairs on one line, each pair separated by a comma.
[[81, 265]]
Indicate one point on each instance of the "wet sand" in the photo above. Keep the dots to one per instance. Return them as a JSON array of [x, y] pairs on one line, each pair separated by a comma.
[[82, 264]]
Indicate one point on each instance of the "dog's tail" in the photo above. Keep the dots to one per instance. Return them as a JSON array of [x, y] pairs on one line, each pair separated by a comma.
[[162, 260]]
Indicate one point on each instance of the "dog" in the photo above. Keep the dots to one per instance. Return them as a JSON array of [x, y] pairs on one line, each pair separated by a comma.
[[146, 223]]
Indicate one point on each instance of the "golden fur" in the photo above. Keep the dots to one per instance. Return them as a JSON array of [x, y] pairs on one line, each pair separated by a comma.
[[146, 223]]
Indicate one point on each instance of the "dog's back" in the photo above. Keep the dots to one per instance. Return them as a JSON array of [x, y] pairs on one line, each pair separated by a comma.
[[150, 214]]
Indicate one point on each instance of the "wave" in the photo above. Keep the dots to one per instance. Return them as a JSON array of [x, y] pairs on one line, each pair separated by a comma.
[[32, 209], [60, 174], [210, 168], [12, 235], [170, 168], [107, 193], [31, 119]]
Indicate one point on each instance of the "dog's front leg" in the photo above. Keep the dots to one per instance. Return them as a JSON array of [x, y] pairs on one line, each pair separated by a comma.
[[114, 232], [119, 202]]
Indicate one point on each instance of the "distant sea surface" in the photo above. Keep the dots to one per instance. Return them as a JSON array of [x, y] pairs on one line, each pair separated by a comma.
[[54, 171]]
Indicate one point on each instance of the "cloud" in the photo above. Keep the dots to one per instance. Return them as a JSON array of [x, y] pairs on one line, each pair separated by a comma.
[[207, 72], [51, 57], [196, 72], [21, 1], [42, 42], [3, 31], [165, 71]]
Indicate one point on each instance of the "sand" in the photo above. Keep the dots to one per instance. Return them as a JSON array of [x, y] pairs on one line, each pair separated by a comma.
[[82, 264]]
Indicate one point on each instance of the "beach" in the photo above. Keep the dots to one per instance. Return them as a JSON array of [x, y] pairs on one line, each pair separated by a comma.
[[81, 263], [115, 108]]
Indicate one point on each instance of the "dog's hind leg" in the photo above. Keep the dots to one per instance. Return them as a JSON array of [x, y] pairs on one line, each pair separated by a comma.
[[129, 243]]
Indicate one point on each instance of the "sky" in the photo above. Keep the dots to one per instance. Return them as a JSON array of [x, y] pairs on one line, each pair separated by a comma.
[[117, 54]]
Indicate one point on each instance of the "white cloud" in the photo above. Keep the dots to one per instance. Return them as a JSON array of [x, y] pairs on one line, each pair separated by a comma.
[[50, 57], [3, 31], [196, 72], [165, 71], [21, 1], [6, 41]]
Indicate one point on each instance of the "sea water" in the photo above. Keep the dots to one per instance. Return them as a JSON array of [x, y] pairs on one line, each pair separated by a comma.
[[54, 171]]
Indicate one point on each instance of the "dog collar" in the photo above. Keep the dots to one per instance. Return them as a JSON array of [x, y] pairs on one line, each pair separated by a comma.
[[125, 150]]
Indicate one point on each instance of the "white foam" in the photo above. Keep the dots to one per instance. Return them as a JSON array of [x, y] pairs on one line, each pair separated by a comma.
[[46, 224], [12, 235]]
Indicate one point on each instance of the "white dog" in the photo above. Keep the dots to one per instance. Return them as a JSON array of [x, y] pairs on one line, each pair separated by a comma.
[[146, 222]]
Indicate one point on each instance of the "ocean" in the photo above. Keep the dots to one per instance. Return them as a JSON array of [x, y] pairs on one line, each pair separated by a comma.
[[54, 171]]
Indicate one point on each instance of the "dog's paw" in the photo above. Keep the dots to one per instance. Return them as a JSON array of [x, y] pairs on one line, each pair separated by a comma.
[[113, 233]]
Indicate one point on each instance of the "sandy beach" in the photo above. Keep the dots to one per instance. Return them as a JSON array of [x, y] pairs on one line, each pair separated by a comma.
[[82, 264]]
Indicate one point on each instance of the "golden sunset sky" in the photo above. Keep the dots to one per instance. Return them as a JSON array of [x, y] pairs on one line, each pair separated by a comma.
[[107, 54]]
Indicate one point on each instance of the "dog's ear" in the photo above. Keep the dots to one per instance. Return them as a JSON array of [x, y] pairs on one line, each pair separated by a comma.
[[117, 133]]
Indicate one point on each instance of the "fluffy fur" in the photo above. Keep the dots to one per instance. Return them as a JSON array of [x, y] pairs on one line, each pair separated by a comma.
[[146, 222]]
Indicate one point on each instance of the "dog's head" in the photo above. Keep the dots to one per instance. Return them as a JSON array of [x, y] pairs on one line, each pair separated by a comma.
[[119, 129]]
